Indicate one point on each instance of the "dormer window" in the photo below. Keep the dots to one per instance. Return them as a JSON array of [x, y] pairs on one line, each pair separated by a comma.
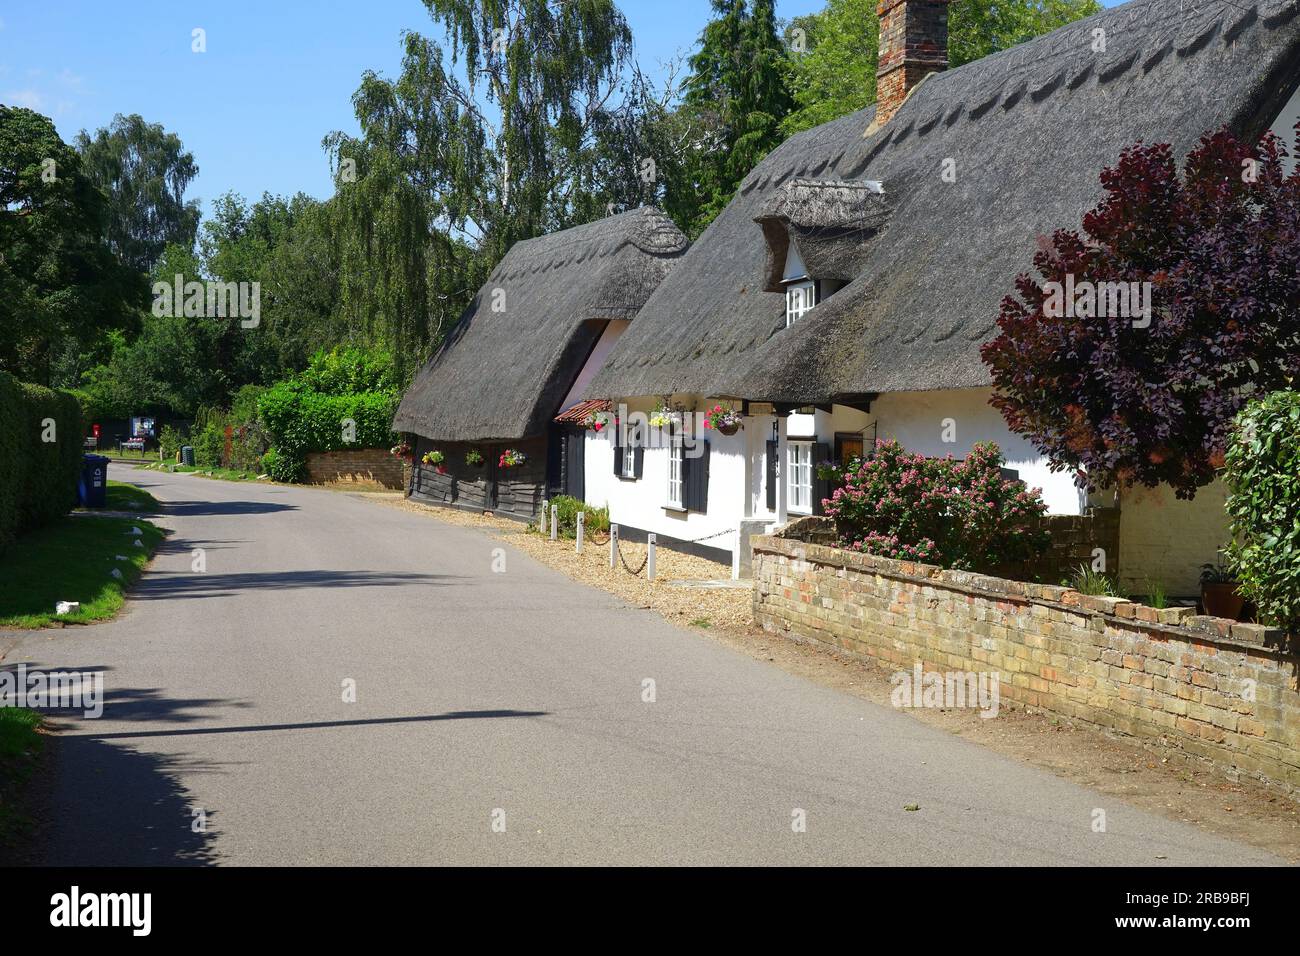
[[800, 297]]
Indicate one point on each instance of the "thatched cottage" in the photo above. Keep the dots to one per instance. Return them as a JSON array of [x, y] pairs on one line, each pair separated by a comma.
[[522, 354], [844, 293]]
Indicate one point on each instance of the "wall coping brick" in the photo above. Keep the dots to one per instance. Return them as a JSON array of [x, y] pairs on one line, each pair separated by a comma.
[[1202, 629]]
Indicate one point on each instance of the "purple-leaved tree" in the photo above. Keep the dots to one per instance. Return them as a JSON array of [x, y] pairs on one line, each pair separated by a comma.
[[1149, 332]]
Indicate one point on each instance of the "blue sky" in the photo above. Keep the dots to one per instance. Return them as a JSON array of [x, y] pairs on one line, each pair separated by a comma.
[[277, 75]]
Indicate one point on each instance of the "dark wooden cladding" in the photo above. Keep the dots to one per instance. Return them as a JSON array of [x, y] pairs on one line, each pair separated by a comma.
[[486, 487]]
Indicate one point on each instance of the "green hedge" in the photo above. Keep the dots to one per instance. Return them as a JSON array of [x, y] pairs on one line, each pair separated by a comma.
[[1263, 476], [38, 478], [299, 420]]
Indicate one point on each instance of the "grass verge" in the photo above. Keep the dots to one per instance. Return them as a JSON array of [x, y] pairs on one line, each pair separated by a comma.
[[121, 496], [20, 746], [223, 474], [73, 559]]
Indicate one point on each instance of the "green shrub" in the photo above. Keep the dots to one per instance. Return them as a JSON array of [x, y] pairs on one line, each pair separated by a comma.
[[1263, 477], [170, 441], [38, 478], [347, 370], [566, 516], [299, 420], [208, 436]]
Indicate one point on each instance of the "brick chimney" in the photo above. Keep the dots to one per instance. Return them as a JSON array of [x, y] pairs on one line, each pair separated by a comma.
[[913, 44]]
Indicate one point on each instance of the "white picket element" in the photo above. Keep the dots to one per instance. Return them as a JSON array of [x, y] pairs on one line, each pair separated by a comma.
[[582, 516], [613, 545], [650, 557]]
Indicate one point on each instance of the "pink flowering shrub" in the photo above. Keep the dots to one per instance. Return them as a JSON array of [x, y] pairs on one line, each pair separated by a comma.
[[957, 514]]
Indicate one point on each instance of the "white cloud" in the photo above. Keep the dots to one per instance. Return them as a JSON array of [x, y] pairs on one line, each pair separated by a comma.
[[28, 98]]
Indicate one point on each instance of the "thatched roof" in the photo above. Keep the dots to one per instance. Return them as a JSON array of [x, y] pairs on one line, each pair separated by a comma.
[[830, 223], [502, 374], [1027, 132]]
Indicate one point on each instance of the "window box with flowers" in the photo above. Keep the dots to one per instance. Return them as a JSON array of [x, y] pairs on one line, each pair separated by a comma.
[[436, 459], [511, 458], [596, 421], [724, 419], [666, 415]]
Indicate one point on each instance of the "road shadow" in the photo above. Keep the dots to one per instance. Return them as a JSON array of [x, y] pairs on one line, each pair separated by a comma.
[[112, 805], [100, 803], [118, 703], [194, 509], [162, 585], [322, 724]]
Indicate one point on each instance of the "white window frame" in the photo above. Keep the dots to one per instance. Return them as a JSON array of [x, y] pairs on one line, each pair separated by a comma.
[[800, 299], [676, 476], [629, 459], [799, 476]]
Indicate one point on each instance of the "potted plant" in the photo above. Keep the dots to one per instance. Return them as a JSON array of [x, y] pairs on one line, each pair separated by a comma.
[[661, 417], [1219, 596], [595, 421], [474, 458], [830, 473], [402, 450], [436, 459], [725, 419], [511, 458]]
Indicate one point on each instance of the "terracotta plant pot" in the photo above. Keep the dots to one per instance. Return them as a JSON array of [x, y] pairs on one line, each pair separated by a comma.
[[440, 469], [1220, 599]]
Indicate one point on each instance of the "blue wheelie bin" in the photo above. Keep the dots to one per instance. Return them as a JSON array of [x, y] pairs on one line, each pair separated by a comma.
[[92, 489]]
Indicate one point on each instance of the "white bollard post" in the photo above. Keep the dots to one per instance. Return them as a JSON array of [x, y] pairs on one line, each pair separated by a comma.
[[613, 545], [555, 521], [544, 505], [650, 557], [582, 520]]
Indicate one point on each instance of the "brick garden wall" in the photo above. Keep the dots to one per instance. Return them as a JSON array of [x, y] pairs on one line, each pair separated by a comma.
[[370, 465], [1221, 692]]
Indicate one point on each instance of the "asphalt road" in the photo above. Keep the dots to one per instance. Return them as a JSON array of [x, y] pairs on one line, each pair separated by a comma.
[[485, 699]]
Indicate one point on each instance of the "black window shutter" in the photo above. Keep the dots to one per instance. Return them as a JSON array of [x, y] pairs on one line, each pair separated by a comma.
[[770, 481], [638, 461], [820, 487], [618, 457], [695, 480]]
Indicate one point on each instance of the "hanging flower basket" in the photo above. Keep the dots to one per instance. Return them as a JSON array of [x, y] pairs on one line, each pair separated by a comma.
[[403, 450], [511, 458], [474, 458], [724, 419], [595, 421], [434, 457]]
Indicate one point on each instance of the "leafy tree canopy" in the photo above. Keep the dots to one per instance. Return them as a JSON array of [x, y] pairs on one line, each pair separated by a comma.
[[144, 171], [1149, 332], [836, 75], [59, 282], [466, 152]]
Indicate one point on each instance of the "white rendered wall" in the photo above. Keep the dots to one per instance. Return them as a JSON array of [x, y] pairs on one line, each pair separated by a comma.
[[1284, 126], [921, 421], [604, 345]]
